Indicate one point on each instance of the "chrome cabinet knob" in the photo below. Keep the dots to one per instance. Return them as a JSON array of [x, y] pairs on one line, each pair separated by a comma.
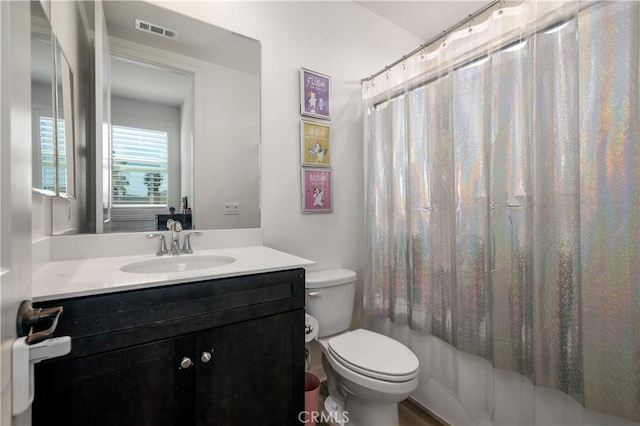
[[186, 362], [206, 357]]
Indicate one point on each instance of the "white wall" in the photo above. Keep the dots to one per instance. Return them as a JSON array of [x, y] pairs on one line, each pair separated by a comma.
[[226, 154]]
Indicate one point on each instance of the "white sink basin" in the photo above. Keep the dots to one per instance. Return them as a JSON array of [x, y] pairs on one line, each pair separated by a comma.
[[177, 264]]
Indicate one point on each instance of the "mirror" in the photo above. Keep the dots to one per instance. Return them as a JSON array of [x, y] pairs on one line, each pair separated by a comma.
[[42, 72], [53, 171], [215, 158]]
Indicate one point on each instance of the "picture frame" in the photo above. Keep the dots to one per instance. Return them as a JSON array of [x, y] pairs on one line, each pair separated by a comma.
[[315, 94], [315, 143], [317, 190]]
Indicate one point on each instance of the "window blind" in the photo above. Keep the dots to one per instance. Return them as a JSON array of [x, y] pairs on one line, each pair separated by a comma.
[[62, 158], [139, 167], [47, 153]]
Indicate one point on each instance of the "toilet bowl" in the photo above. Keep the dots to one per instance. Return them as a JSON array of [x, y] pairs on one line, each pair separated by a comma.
[[367, 373]]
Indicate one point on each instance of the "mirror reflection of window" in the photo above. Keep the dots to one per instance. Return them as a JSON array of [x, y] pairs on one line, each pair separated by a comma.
[[140, 163], [62, 157], [46, 173], [47, 153], [149, 144]]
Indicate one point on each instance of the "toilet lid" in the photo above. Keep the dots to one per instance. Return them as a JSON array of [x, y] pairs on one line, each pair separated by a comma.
[[374, 355]]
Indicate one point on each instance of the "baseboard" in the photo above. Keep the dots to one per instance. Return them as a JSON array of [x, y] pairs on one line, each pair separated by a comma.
[[419, 406]]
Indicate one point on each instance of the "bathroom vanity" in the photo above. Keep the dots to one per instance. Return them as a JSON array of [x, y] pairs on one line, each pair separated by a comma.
[[223, 350]]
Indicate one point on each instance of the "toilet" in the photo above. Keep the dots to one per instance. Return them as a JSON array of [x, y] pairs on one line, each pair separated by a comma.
[[367, 373]]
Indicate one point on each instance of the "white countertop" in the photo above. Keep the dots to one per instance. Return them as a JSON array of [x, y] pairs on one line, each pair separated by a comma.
[[83, 277]]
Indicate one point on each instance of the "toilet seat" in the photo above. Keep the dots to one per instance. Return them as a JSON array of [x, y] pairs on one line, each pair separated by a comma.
[[374, 355]]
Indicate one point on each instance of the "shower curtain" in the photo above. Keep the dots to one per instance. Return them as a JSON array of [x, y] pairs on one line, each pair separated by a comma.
[[502, 182]]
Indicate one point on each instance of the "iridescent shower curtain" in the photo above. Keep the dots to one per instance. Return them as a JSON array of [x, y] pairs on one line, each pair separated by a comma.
[[502, 175]]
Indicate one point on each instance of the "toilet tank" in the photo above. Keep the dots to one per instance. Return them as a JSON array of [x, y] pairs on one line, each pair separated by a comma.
[[329, 297]]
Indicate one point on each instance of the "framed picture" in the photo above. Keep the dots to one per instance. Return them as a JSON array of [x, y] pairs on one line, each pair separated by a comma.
[[315, 143], [316, 191], [315, 90]]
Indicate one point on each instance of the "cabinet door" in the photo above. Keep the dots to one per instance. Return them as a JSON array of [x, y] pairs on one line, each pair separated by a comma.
[[139, 385], [255, 374]]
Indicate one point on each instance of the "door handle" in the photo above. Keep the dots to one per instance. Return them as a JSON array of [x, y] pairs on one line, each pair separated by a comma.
[[32, 347], [24, 356], [28, 317]]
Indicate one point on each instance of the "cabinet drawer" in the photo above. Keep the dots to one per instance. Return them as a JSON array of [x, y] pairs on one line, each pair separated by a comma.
[[119, 319]]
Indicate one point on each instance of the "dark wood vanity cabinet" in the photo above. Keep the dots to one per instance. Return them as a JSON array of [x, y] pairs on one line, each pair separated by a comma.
[[221, 352]]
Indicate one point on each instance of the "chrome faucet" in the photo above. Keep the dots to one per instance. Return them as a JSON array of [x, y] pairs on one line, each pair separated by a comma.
[[175, 227], [162, 250]]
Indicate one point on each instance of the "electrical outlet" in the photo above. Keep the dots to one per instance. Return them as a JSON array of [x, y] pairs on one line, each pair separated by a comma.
[[231, 208]]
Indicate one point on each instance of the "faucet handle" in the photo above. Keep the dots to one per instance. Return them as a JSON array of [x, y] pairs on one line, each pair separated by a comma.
[[187, 241], [163, 244]]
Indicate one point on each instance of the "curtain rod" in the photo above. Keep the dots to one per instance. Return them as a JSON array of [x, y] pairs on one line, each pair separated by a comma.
[[446, 32]]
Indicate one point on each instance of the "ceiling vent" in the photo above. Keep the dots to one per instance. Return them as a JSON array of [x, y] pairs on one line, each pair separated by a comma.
[[155, 29]]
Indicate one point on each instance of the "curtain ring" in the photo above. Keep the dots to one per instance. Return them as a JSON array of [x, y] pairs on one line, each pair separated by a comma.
[[470, 22], [500, 11]]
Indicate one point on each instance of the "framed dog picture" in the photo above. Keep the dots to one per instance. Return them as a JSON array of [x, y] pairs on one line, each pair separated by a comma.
[[315, 142], [316, 191], [315, 91]]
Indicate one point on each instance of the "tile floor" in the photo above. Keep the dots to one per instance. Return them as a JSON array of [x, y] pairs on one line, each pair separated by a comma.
[[410, 414]]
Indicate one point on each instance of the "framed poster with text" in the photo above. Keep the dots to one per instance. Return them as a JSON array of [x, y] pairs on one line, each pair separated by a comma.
[[315, 90], [315, 139], [316, 191]]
